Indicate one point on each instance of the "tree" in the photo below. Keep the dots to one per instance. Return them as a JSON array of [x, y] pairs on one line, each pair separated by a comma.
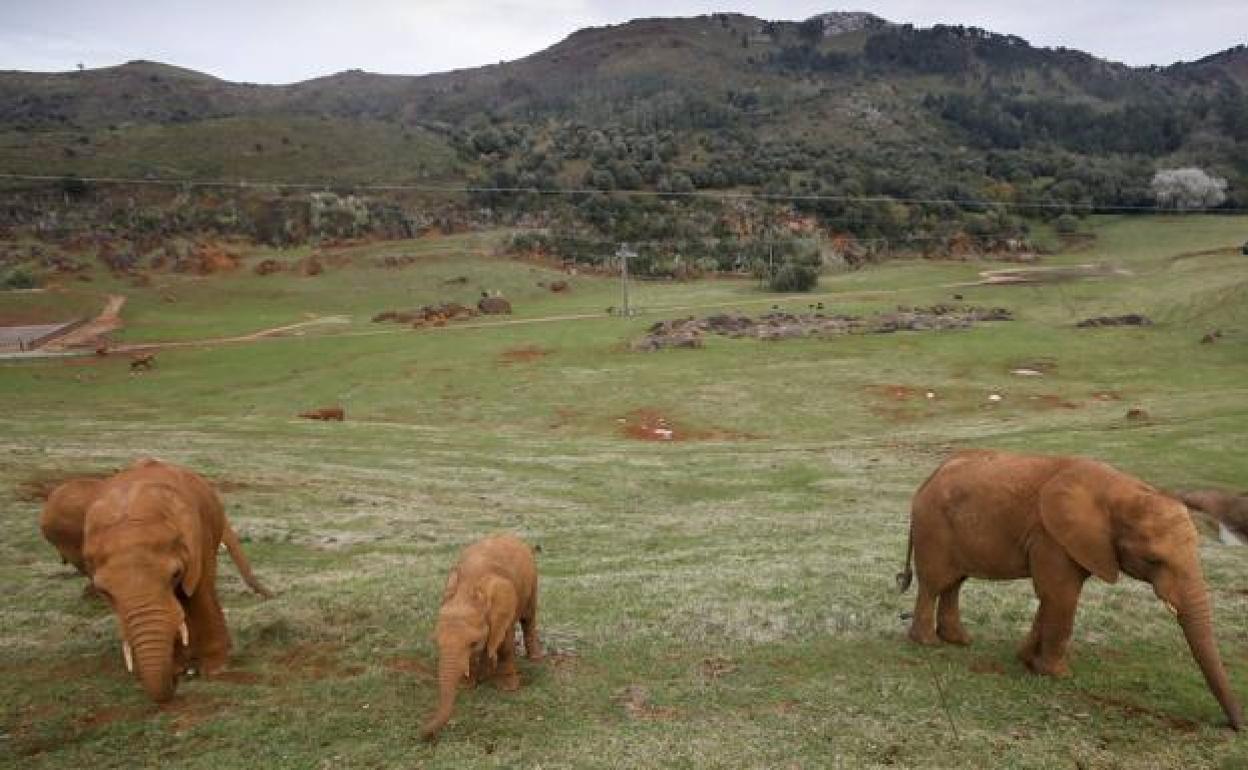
[[1188, 188]]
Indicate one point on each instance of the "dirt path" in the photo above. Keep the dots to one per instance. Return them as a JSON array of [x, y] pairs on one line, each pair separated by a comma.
[[108, 320], [276, 331]]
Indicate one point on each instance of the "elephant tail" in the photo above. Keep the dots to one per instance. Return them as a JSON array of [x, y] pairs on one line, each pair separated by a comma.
[[907, 574], [232, 544]]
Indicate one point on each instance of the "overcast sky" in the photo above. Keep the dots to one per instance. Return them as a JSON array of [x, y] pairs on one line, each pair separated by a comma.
[[282, 41]]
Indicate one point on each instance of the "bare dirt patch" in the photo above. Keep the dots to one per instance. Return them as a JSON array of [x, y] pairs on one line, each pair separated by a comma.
[[648, 424], [635, 700], [1179, 724], [1051, 401], [187, 712], [524, 354], [312, 661]]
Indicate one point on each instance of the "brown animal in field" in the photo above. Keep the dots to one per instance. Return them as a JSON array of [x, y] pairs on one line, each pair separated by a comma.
[[492, 587], [101, 349], [1229, 509], [143, 361], [62, 517], [325, 413], [150, 540], [559, 287], [1057, 520], [65, 510]]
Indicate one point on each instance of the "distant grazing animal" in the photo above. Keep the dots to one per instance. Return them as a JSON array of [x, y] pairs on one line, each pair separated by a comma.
[[1003, 516], [325, 413], [491, 588], [143, 361], [150, 540]]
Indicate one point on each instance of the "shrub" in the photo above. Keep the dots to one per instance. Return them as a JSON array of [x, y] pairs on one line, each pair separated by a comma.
[[792, 276], [19, 278]]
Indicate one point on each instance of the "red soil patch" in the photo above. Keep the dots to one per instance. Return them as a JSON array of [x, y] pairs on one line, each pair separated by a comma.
[[523, 354], [313, 661], [1052, 401], [1178, 724], [650, 425], [895, 392], [109, 714], [189, 712]]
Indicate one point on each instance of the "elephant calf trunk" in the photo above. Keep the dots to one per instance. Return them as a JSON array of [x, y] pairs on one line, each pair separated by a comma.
[[449, 674]]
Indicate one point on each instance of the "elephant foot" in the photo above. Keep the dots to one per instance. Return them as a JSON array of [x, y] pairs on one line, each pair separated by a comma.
[[957, 636], [508, 682], [924, 636], [1059, 668]]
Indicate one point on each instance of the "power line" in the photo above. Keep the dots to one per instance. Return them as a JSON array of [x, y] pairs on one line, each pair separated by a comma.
[[691, 194]]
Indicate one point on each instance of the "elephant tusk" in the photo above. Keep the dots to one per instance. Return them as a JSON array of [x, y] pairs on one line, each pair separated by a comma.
[[125, 653], [186, 635], [1173, 610]]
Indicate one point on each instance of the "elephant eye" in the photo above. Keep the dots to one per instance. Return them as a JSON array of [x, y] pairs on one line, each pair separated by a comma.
[[177, 576]]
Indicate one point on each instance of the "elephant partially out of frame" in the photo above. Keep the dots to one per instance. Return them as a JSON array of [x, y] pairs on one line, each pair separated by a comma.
[[1002, 516]]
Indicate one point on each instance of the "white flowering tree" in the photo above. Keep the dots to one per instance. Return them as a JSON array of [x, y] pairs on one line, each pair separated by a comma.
[[1187, 188]]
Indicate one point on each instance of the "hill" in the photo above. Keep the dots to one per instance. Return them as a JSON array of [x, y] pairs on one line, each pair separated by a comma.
[[841, 105]]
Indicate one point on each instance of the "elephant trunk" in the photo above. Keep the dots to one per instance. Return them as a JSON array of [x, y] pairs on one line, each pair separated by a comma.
[[1196, 618], [150, 636], [452, 666]]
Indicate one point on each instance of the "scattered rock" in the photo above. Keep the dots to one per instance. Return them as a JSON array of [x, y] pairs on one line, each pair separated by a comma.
[[311, 267], [436, 315], [493, 305], [778, 324], [1131, 319], [457, 280], [1211, 337], [558, 287], [1138, 414], [144, 361]]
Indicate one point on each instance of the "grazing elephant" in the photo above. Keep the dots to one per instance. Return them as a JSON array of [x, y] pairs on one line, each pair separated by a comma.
[[150, 542], [490, 588], [1057, 520], [63, 514], [66, 509]]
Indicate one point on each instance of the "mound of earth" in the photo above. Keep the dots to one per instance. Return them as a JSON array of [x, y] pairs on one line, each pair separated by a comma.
[[1131, 319], [494, 305], [779, 325]]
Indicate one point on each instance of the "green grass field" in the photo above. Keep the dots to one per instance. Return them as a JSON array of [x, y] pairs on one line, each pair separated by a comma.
[[718, 603]]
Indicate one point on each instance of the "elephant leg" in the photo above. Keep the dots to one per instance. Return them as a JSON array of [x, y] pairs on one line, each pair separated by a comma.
[[948, 619], [939, 578], [508, 677], [1058, 582], [210, 639], [922, 624], [528, 625]]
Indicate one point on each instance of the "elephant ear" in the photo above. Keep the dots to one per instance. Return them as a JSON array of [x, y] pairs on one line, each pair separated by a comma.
[[500, 611], [186, 521], [1074, 517]]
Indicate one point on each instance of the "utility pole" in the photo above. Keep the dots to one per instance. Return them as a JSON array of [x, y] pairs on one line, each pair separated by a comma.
[[624, 253]]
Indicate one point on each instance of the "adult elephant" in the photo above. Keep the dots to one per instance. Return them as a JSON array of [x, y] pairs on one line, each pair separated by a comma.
[[1002, 516], [150, 542]]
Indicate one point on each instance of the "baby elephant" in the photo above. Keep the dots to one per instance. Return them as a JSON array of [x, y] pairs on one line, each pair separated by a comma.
[[493, 586], [1057, 520]]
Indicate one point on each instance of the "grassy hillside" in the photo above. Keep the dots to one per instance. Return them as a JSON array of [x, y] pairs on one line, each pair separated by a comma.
[[723, 602]]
